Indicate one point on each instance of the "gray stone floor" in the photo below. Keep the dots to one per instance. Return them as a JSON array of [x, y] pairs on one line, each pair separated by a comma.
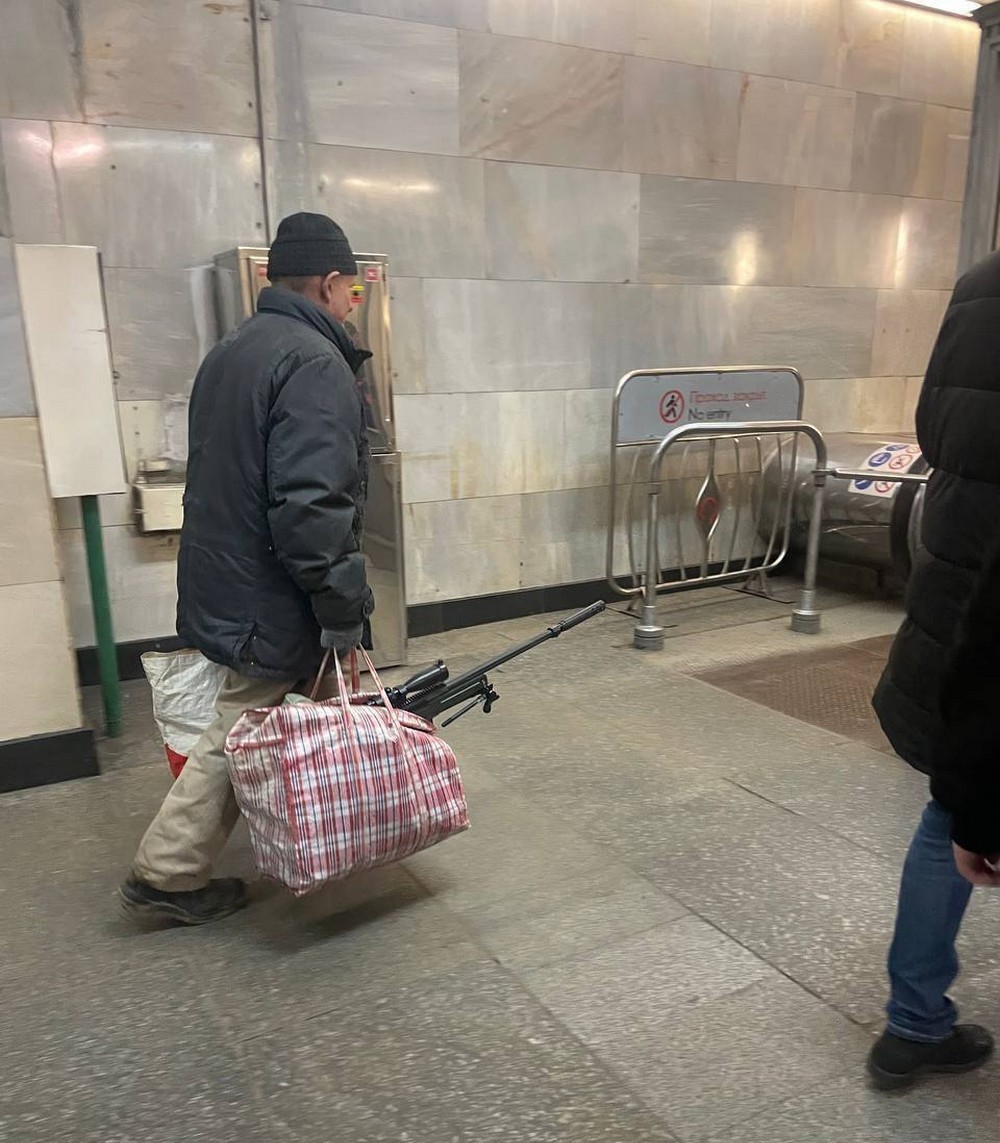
[[668, 923]]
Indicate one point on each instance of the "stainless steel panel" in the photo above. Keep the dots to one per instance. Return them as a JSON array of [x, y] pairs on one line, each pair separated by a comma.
[[369, 328], [383, 549]]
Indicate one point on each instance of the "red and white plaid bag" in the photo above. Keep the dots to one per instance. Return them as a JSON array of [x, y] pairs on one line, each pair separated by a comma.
[[329, 789]]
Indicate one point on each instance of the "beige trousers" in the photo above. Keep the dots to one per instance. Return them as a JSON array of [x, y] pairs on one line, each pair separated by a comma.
[[189, 833]]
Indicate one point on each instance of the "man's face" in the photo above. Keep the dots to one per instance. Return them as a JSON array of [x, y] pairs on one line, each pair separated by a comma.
[[336, 294]]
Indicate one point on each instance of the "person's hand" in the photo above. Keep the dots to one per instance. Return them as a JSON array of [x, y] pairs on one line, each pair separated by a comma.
[[341, 641], [977, 868]]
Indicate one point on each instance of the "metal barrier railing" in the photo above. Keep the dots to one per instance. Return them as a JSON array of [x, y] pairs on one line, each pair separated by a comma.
[[649, 402], [711, 565], [806, 617]]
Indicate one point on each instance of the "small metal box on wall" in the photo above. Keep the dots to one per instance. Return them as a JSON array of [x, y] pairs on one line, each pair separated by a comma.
[[240, 276]]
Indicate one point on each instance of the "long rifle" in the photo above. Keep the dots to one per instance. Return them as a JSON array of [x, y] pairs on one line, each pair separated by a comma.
[[430, 692]]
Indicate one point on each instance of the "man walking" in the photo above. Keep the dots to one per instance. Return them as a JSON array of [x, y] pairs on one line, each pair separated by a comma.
[[270, 569], [935, 703]]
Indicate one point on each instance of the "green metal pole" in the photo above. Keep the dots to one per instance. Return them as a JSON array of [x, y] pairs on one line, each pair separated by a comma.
[[107, 655]]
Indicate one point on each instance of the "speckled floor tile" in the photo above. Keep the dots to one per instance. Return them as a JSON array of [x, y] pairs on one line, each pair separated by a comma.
[[948, 1109], [553, 921], [285, 960], [812, 904], [712, 1062], [467, 1058], [135, 1057]]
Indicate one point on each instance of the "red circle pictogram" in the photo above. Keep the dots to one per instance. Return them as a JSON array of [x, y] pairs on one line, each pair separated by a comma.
[[671, 407], [883, 486], [902, 460]]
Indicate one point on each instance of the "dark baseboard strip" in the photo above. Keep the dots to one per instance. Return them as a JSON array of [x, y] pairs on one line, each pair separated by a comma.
[[47, 758], [129, 659], [422, 619]]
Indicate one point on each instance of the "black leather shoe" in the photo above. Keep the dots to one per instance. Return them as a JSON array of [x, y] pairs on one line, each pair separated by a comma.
[[217, 900], [896, 1063]]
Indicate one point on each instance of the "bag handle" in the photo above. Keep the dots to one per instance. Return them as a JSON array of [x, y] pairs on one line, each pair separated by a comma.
[[325, 666]]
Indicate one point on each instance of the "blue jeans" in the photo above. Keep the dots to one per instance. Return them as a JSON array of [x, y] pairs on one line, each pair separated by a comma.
[[923, 961]]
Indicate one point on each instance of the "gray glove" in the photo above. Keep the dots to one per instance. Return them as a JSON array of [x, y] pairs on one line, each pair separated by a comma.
[[343, 640]]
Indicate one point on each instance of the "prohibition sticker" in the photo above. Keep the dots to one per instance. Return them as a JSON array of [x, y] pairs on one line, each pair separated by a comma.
[[672, 407]]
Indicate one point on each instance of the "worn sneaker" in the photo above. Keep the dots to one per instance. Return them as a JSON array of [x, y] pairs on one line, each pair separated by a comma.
[[896, 1063], [217, 900]]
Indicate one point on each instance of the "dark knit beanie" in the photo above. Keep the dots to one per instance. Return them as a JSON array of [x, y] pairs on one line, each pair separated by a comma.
[[309, 245]]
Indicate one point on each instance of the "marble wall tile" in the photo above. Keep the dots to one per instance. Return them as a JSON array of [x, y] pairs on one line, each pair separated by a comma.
[[839, 239], [858, 405], [795, 133], [911, 398], [154, 318], [32, 194], [928, 244], [447, 13], [43, 672], [681, 120], [157, 199], [563, 536], [142, 582], [27, 526], [540, 103], [939, 60], [182, 64], [461, 548], [870, 46], [521, 335], [704, 231], [906, 326], [426, 212], [753, 234], [459, 446], [821, 332], [673, 30], [907, 148], [561, 224], [40, 60], [794, 39], [409, 351], [609, 25], [17, 397], [360, 81]]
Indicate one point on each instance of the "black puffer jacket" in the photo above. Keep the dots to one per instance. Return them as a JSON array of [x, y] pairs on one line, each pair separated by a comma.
[[277, 476], [958, 425]]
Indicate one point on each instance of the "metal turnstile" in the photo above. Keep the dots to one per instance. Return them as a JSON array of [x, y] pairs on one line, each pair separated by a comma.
[[870, 519]]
